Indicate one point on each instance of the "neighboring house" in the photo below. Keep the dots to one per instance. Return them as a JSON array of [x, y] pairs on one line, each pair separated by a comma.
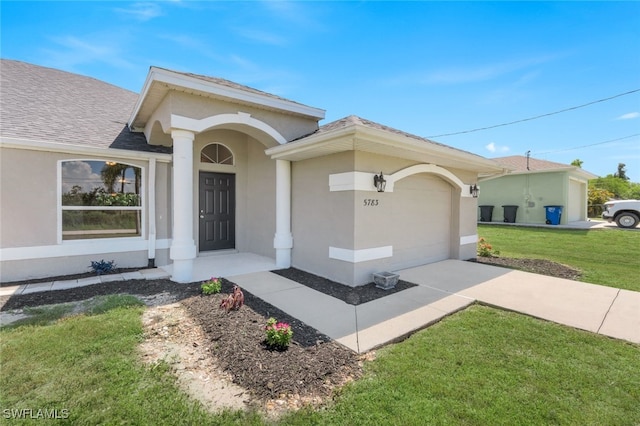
[[195, 164], [533, 184]]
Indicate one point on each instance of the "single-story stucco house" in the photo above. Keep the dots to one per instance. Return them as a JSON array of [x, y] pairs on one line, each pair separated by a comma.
[[533, 184], [193, 165]]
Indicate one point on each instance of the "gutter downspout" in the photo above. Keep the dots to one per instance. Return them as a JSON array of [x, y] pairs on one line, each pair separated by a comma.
[[152, 213]]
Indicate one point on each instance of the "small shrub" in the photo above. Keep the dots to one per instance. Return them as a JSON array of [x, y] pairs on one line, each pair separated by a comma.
[[211, 286], [279, 334], [234, 301], [102, 266], [485, 249]]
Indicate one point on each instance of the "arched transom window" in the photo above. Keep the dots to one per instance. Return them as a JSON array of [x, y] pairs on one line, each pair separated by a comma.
[[216, 153]]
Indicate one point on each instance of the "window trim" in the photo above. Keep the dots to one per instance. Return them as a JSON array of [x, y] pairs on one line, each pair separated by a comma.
[[142, 208]]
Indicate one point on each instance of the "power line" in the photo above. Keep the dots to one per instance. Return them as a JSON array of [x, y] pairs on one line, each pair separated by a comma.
[[536, 117], [587, 146]]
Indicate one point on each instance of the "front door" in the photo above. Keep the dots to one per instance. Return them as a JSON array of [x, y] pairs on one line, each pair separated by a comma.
[[217, 211]]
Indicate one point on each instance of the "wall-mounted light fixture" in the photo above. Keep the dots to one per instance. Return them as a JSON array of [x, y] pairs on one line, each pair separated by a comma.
[[474, 190], [379, 182]]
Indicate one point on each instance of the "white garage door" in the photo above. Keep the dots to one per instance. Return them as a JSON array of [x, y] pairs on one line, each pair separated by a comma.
[[576, 201], [421, 221]]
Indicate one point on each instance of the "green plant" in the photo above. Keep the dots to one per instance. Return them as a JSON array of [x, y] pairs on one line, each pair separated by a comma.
[[485, 249], [211, 286], [279, 334], [102, 266]]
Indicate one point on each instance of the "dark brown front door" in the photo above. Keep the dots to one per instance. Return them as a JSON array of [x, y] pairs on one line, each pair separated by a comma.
[[217, 211]]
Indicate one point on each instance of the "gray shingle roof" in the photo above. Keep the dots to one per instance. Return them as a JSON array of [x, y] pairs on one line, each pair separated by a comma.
[[354, 119], [519, 164], [45, 104]]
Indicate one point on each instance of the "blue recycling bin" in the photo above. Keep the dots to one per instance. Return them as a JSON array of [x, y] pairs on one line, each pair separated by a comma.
[[554, 213]]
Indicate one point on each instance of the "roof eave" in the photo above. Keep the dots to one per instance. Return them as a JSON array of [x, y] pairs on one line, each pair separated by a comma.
[[174, 79], [320, 144]]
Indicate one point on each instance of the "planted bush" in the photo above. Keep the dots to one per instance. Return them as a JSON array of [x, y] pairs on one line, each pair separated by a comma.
[[211, 286], [101, 267], [279, 334], [485, 249]]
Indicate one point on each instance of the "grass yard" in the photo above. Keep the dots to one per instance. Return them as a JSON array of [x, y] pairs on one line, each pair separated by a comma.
[[605, 256], [480, 366], [485, 366], [85, 370]]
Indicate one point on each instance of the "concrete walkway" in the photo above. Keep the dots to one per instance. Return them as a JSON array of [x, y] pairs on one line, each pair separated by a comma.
[[445, 288], [442, 289]]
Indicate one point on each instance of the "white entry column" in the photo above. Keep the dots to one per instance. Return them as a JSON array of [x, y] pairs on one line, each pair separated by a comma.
[[183, 247], [283, 241]]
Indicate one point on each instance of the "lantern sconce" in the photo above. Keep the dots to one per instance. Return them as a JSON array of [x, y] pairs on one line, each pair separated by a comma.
[[379, 182], [474, 190]]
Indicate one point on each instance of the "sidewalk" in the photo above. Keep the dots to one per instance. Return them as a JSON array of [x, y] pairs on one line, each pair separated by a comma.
[[145, 274]]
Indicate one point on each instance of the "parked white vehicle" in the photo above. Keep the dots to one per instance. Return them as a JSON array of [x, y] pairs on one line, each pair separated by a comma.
[[626, 213]]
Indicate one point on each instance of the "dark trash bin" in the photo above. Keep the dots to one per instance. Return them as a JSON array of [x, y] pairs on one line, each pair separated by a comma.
[[510, 213], [554, 214], [486, 213]]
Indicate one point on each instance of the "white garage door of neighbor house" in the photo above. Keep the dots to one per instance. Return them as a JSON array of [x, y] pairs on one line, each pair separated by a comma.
[[574, 210], [421, 221]]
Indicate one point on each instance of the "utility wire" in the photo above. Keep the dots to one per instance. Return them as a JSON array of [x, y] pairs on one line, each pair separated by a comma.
[[536, 117], [587, 146]]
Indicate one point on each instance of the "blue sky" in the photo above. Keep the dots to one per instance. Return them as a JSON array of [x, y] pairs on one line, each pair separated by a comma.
[[428, 68]]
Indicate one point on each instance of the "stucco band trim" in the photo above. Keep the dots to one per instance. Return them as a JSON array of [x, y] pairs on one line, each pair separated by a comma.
[[469, 239], [78, 248], [362, 255]]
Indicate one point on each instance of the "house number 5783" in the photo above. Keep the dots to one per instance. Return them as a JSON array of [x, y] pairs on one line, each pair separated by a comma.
[[370, 202]]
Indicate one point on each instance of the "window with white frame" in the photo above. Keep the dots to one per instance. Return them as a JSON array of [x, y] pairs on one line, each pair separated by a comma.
[[100, 199]]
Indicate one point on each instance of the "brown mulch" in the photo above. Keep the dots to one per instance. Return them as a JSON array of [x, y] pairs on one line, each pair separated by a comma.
[[536, 266], [313, 364]]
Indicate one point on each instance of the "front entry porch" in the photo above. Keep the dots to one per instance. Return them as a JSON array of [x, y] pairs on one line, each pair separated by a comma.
[[227, 265]]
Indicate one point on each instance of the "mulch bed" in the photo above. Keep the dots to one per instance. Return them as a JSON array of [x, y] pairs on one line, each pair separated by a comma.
[[351, 295], [312, 364], [139, 287], [537, 266]]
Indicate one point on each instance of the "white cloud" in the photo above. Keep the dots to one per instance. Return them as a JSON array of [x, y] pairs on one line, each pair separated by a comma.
[[142, 11], [74, 51], [629, 116], [79, 173], [492, 147], [468, 73]]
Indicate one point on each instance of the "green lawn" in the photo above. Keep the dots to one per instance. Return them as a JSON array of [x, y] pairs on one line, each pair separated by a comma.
[[480, 366], [605, 256], [85, 370], [485, 366]]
